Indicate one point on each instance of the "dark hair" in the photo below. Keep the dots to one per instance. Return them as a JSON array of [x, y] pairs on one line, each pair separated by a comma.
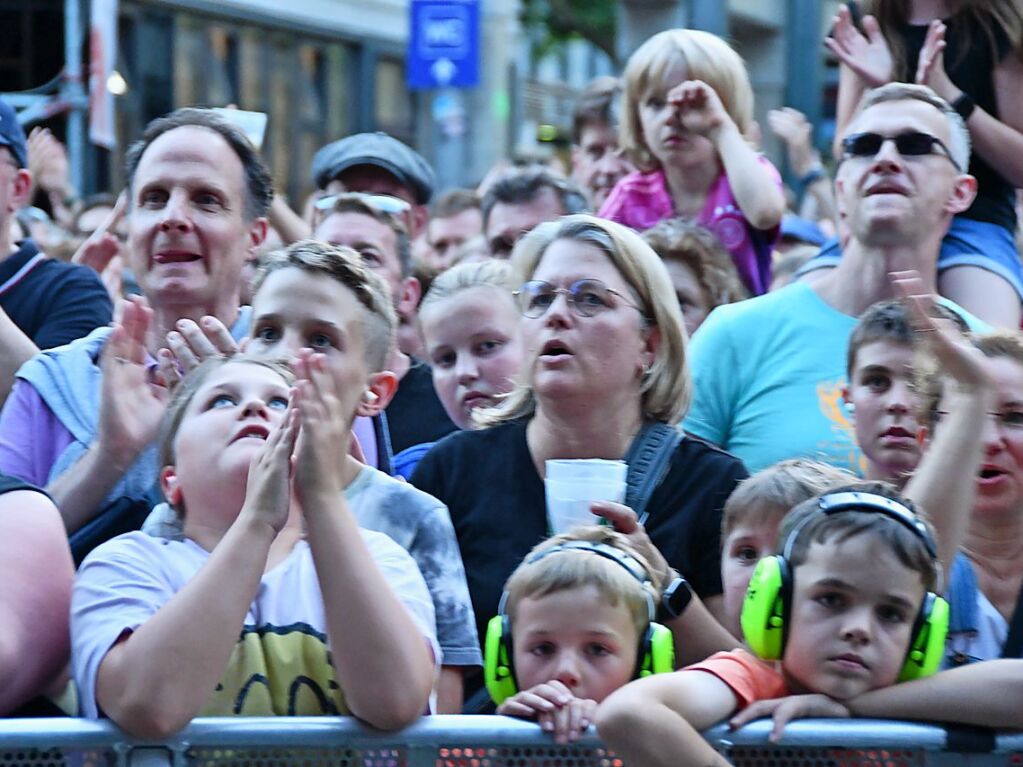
[[455, 201], [675, 239], [519, 186], [813, 526], [596, 105], [343, 265], [889, 321], [991, 16], [259, 192]]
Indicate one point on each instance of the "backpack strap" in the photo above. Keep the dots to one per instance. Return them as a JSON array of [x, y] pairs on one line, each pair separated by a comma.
[[1013, 647], [648, 458]]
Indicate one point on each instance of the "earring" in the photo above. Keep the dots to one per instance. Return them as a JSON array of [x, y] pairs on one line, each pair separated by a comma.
[[369, 397]]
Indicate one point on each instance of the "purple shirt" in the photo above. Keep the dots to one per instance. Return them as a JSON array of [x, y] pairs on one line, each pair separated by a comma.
[[641, 200]]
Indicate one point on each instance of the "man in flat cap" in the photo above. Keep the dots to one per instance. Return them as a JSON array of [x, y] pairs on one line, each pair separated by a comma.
[[375, 163]]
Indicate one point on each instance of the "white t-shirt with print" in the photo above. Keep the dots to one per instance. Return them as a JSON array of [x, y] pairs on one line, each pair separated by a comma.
[[281, 664]]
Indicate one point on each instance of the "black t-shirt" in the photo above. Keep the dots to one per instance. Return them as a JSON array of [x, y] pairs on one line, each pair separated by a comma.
[[497, 504], [416, 415], [52, 302], [970, 57]]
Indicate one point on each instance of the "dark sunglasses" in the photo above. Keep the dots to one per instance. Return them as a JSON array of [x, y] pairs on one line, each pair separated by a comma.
[[909, 144]]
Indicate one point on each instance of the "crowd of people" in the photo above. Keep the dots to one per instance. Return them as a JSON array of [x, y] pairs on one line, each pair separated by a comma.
[[264, 461]]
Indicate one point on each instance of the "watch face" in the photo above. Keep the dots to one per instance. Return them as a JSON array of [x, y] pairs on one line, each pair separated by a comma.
[[677, 597]]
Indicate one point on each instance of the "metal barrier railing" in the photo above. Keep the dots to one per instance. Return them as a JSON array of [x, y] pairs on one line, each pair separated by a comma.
[[482, 741]]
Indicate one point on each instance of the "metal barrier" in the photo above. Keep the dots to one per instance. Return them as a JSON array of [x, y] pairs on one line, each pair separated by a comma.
[[482, 741]]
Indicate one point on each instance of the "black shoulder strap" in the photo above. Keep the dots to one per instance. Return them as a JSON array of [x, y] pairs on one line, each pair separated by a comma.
[[648, 458], [1013, 647]]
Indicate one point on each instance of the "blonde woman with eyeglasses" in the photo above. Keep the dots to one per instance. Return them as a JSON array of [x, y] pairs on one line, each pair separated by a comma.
[[604, 374]]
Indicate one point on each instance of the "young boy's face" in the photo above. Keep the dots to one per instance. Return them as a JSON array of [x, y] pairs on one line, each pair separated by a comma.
[[880, 389], [576, 637], [749, 541], [295, 309], [853, 607]]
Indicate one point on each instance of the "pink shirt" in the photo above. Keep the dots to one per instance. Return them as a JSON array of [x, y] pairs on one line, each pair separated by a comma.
[[641, 200]]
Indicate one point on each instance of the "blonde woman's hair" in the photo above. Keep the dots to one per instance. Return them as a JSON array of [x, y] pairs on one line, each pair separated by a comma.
[[666, 386], [705, 57], [773, 492], [578, 568]]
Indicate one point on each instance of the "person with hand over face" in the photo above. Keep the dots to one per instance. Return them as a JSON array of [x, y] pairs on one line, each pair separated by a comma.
[[275, 602]]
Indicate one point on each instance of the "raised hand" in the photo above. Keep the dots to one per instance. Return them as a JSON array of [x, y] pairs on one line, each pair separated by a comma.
[[784, 710], [327, 416], [792, 127], [102, 250], [268, 490], [868, 56], [958, 358], [192, 343], [698, 107], [48, 161], [131, 407], [930, 69]]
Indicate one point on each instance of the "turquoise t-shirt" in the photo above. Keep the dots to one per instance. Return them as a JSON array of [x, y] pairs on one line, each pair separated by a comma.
[[768, 375]]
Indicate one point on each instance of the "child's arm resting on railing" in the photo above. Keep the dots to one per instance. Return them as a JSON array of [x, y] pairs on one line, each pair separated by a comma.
[[656, 721]]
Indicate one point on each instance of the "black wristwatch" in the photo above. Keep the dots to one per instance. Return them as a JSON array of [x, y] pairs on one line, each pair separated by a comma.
[[964, 105], [675, 599]]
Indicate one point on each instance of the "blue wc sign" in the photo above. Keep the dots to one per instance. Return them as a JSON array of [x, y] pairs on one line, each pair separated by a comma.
[[444, 44]]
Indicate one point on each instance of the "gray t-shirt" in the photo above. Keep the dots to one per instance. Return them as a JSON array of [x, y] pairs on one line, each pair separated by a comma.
[[421, 525]]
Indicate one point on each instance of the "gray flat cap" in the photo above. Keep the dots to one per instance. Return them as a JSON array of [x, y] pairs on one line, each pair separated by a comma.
[[380, 150]]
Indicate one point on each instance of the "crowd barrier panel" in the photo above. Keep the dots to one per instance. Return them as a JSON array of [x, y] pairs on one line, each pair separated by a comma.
[[485, 741]]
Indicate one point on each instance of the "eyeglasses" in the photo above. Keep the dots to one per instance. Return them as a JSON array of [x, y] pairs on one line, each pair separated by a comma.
[[1009, 420], [908, 144], [384, 203], [587, 298]]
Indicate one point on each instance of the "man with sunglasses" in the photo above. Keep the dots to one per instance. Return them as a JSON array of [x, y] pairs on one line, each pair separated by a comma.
[[768, 372], [43, 302]]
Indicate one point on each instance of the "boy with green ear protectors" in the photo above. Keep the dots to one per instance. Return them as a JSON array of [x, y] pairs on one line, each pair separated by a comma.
[[848, 609], [581, 607]]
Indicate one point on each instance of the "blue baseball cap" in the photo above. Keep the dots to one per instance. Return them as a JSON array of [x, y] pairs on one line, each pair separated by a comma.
[[11, 134], [801, 230]]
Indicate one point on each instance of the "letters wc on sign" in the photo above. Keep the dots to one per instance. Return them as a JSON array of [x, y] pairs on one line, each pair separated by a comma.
[[444, 44]]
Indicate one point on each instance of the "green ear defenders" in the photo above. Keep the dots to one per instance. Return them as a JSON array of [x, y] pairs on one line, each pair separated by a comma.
[[656, 647], [765, 612]]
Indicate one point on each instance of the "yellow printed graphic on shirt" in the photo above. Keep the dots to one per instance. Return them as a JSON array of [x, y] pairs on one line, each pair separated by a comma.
[[278, 671], [841, 450]]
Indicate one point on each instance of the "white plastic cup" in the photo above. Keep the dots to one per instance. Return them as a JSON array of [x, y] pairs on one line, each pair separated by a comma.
[[572, 485]]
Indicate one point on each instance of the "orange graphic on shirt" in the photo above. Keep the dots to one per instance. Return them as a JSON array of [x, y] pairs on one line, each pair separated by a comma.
[[843, 450]]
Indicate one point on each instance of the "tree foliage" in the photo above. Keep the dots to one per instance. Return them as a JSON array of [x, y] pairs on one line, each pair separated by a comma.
[[551, 23]]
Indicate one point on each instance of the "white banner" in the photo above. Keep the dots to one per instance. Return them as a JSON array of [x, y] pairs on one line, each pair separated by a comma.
[[102, 61]]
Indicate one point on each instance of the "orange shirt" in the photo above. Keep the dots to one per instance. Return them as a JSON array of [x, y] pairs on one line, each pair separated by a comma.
[[746, 675]]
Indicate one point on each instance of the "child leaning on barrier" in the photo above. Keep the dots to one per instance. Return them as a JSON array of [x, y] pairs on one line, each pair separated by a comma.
[[848, 610], [754, 512], [275, 602], [576, 622]]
